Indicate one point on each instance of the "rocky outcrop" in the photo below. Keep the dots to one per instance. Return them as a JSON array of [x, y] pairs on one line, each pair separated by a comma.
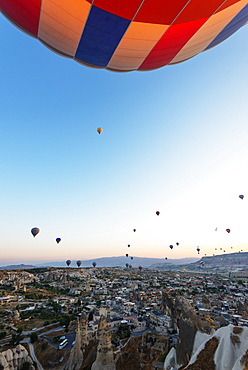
[[187, 322], [76, 356], [13, 359], [105, 356], [226, 349]]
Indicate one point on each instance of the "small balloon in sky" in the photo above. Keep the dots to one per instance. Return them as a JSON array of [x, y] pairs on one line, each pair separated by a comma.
[[68, 262], [58, 240], [35, 231], [134, 230], [99, 130], [171, 246], [94, 264], [79, 263], [228, 230], [241, 196], [198, 250], [157, 213]]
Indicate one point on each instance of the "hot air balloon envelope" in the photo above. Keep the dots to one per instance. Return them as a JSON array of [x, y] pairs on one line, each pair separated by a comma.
[[157, 213], [128, 35], [58, 240], [35, 231], [79, 263], [171, 246], [68, 262], [99, 130], [241, 196], [228, 231]]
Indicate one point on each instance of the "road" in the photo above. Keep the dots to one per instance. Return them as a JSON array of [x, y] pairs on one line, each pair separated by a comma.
[[32, 354]]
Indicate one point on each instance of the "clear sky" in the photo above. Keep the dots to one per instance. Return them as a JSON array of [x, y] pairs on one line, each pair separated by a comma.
[[174, 140]]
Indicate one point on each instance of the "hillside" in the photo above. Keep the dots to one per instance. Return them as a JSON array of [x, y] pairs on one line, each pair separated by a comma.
[[223, 262]]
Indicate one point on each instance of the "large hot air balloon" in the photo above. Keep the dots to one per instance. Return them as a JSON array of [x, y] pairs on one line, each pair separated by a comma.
[[68, 262], [79, 263], [99, 130], [58, 240], [128, 35], [94, 264], [35, 231]]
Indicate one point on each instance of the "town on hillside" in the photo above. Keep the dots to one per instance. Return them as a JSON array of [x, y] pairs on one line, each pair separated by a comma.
[[121, 318]]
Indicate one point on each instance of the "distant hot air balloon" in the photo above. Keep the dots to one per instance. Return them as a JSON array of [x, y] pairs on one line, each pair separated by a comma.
[[177, 243], [171, 246], [127, 265], [157, 213], [134, 230], [228, 231], [58, 240], [35, 231], [99, 130], [166, 258], [131, 258], [140, 268], [126, 255], [79, 263], [129, 245], [216, 229], [68, 262], [94, 264], [198, 250], [241, 196], [130, 266], [184, 270]]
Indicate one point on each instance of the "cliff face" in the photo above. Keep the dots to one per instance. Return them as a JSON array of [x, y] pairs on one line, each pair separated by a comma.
[[226, 349], [13, 359], [188, 323]]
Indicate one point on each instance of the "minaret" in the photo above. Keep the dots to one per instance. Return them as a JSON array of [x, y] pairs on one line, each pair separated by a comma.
[[105, 356], [76, 356]]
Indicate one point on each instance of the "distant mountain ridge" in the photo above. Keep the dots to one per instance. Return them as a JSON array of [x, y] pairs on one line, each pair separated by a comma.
[[227, 261], [121, 262], [105, 262], [17, 267]]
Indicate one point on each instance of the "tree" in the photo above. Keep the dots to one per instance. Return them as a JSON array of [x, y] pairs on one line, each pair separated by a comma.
[[33, 337]]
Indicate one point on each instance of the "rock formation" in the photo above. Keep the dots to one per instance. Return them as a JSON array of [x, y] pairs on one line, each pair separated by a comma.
[[13, 359], [84, 330], [105, 357], [226, 349], [76, 356], [188, 323]]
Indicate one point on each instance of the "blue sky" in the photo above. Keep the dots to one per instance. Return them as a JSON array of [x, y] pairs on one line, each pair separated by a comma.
[[174, 140]]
